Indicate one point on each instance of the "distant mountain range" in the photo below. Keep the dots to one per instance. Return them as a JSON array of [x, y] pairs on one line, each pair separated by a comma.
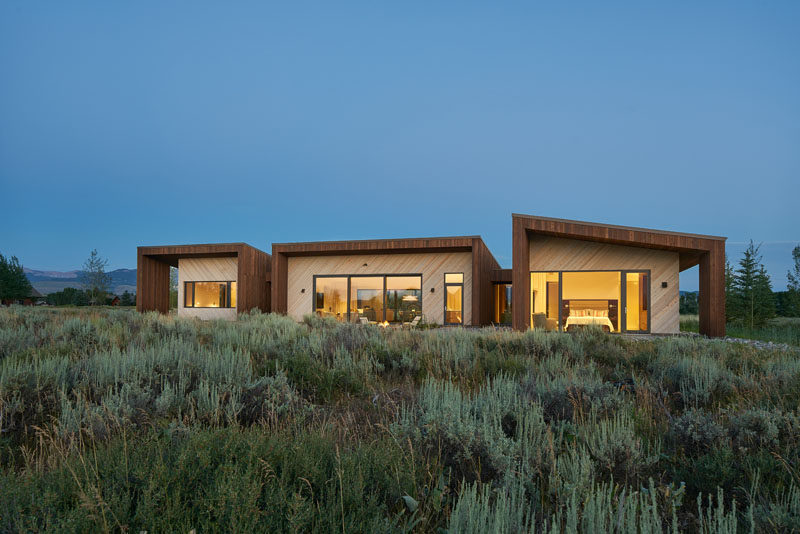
[[53, 281]]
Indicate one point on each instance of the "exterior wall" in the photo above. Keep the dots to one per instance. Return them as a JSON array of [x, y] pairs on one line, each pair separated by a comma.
[[432, 266], [560, 254], [207, 270]]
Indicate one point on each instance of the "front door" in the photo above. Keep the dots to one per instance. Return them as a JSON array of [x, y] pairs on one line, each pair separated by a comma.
[[636, 299]]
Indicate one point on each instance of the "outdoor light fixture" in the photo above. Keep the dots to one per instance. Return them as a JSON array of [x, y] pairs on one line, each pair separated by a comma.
[[432, 289], [663, 284]]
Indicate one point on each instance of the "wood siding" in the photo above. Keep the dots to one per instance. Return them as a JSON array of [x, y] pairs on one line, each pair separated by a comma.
[[152, 284], [559, 254], [207, 270], [483, 265], [254, 271], [707, 251], [153, 263], [431, 266]]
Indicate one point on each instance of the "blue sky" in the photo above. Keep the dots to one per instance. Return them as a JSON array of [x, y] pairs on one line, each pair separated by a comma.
[[185, 122]]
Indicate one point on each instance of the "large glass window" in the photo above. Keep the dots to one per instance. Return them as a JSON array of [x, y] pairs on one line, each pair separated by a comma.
[[502, 303], [369, 299], [403, 298], [612, 300], [366, 298], [544, 300], [591, 298], [209, 294], [330, 298], [454, 298]]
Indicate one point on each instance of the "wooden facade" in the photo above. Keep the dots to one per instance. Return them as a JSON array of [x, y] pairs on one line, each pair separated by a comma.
[[482, 262], [152, 273], [692, 249]]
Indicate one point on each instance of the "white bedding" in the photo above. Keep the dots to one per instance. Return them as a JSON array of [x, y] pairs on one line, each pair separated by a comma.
[[602, 321]]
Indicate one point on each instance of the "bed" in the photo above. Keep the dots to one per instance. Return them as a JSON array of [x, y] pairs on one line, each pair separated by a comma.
[[581, 313]]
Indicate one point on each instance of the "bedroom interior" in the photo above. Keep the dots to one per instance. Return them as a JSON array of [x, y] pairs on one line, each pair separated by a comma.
[[568, 300]]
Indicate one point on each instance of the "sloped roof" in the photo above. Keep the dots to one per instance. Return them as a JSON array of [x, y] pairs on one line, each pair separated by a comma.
[[689, 246]]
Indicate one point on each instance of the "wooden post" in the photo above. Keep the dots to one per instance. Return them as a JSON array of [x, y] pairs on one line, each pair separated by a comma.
[[152, 284], [712, 291], [520, 277]]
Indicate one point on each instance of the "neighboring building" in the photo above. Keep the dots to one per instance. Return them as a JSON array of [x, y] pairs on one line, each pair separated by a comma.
[[565, 275], [112, 300], [32, 299]]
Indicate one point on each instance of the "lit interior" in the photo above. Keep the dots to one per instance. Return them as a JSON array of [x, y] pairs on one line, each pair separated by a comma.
[[636, 304], [502, 303], [591, 298], [454, 278], [331, 297], [209, 295], [403, 298], [367, 302], [366, 298], [453, 312], [544, 300]]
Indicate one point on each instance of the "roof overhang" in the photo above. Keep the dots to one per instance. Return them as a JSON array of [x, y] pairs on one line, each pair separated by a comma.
[[689, 246], [377, 246], [172, 253]]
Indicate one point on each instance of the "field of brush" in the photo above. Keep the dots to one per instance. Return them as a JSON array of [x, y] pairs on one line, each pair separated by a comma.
[[112, 420]]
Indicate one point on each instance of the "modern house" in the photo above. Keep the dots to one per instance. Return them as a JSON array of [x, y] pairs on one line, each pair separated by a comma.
[[565, 275]]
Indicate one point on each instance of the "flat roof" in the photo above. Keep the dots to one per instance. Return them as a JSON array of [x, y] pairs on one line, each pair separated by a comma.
[[171, 253], [367, 246]]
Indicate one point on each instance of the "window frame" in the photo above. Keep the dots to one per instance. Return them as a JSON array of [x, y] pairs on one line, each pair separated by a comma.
[[227, 294], [444, 300], [349, 277], [621, 307]]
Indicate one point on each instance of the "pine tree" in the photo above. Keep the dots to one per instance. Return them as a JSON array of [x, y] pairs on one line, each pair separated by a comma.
[[732, 305], [14, 285], [95, 280], [127, 299], [793, 287], [752, 290]]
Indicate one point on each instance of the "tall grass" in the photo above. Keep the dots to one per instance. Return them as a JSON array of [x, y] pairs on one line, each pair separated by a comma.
[[779, 330], [112, 420]]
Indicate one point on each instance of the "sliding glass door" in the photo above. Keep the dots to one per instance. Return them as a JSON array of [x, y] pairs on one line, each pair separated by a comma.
[[369, 299], [615, 301], [590, 298]]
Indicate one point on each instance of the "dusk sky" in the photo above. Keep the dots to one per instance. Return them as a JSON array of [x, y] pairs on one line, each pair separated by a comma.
[[149, 123]]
